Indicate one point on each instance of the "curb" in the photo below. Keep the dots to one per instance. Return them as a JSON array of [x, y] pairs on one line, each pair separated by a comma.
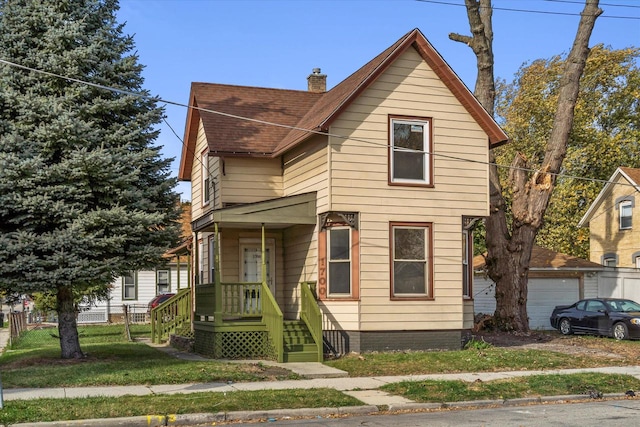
[[284, 414]]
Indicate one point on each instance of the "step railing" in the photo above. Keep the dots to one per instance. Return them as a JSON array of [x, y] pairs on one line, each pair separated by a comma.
[[273, 320], [172, 315], [311, 315]]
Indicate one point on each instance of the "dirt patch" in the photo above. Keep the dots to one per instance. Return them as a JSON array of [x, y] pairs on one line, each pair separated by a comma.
[[601, 347]]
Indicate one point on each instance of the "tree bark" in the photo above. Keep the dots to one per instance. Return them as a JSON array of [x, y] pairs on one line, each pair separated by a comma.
[[67, 324], [509, 246]]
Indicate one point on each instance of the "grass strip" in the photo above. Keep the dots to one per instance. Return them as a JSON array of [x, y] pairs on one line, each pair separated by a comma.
[[531, 386], [22, 411], [486, 360]]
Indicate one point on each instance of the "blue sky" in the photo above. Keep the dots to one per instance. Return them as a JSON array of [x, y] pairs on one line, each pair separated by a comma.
[[276, 44]]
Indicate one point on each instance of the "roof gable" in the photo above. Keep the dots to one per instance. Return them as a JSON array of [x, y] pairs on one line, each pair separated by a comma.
[[302, 113], [631, 175]]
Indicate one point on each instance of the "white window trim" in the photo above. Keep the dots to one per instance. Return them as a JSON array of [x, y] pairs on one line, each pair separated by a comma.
[[425, 151], [330, 261], [133, 274], [623, 206], [168, 284]]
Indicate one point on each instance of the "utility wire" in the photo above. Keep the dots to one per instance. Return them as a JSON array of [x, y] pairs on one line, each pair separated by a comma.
[[543, 12], [264, 122]]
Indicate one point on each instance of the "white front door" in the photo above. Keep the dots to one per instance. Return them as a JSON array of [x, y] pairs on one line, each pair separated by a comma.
[[251, 261]]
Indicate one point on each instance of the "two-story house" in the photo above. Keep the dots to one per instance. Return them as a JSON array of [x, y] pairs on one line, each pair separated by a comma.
[[363, 196], [614, 239]]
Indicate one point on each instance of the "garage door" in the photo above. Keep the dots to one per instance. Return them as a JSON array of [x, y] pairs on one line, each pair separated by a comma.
[[545, 294]]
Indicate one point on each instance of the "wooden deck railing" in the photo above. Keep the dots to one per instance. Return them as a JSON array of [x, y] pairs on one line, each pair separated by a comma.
[[274, 321], [171, 315], [311, 315]]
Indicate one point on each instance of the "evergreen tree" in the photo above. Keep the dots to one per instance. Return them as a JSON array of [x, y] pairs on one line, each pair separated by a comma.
[[84, 194]]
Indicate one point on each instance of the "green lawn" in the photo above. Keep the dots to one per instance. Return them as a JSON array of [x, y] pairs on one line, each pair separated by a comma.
[[113, 360]]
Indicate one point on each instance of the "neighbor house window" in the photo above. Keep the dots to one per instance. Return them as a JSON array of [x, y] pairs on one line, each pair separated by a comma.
[[626, 209], [467, 256], [411, 269], [206, 184], [610, 260], [162, 282], [410, 151], [339, 261], [130, 286]]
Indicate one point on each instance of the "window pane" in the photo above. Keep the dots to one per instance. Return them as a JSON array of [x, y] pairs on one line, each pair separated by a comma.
[[409, 136], [129, 292], [408, 165], [409, 243], [339, 242], [625, 215], [339, 278], [163, 277], [409, 277]]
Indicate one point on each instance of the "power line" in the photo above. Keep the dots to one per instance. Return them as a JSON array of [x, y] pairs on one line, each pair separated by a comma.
[[543, 12], [264, 122]]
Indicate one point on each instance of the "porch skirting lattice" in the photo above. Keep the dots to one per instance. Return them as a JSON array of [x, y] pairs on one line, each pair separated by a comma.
[[235, 345]]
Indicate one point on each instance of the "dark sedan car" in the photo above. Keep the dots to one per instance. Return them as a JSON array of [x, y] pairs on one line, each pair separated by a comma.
[[618, 318]]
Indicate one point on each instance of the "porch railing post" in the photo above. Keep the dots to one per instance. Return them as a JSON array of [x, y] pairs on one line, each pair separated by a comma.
[[216, 279], [264, 261]]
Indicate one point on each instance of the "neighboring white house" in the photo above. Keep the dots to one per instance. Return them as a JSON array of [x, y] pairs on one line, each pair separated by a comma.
[[135, 290]]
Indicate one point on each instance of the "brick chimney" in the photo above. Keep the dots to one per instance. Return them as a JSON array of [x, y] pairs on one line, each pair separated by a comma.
[[317, 82]]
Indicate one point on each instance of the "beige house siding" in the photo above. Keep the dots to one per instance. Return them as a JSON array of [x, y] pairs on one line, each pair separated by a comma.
[[248, 180], [196, 174], [604, 227], [300, 245], [306, 169], [359, 182]]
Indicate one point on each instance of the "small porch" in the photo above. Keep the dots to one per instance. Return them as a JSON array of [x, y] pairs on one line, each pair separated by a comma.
[[257, 311]]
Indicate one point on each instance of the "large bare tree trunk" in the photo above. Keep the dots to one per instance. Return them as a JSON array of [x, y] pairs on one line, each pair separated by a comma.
[[67, 324], [509, 248]]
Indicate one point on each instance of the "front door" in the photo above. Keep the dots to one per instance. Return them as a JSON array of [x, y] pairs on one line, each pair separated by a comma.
[[251, 261]]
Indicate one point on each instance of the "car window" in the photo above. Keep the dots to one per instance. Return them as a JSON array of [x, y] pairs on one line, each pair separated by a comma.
[[595, 306], [628, 305], [581, 305]]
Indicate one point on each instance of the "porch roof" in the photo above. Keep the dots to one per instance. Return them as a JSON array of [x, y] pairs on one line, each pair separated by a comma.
[[275, 213]]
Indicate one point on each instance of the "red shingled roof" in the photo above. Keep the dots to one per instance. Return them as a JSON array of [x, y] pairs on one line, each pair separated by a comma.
[[234, 136], [546, 258]]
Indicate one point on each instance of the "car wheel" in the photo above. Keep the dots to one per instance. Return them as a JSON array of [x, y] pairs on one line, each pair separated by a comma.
[[565, 327], [620, 331]]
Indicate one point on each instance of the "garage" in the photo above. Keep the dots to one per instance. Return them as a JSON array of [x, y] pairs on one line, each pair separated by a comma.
[[554, 279]]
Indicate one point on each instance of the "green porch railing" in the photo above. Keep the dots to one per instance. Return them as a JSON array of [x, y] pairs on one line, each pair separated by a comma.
[[239, 300], [274, 321], [311, 315], [171, 316]]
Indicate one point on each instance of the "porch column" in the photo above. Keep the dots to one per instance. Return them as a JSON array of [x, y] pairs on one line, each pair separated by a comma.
[[178, 271], [264, 258], [189, 269], [217, 319]]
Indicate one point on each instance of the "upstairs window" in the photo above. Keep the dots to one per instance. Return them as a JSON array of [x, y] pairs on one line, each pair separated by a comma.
[[206, 184], [410, 151], [626, 212]]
